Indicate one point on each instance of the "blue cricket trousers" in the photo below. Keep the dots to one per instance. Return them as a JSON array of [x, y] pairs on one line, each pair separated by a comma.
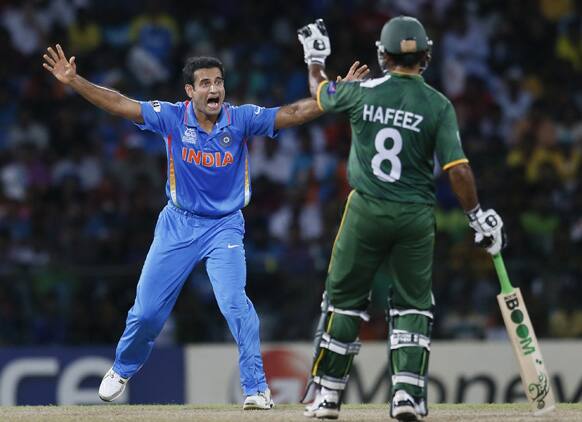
[[181, 240]]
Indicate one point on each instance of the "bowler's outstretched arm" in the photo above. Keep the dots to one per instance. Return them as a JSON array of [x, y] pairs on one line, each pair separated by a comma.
[[306, 109], [106, 99]]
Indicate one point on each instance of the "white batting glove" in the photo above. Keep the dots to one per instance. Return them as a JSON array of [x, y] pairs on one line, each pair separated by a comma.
[[488, 227], [315, 41]]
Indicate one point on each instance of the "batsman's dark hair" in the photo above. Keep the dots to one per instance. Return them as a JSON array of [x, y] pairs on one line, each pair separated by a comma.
[[407, 59], [201, 62]]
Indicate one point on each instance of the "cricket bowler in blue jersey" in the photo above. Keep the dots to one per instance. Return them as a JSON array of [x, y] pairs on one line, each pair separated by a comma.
[[208, 184]]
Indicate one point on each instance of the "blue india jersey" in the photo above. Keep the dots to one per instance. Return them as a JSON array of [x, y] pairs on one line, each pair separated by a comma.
[[208, 173]]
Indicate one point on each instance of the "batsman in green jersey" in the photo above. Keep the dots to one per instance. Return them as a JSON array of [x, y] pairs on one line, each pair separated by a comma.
[[399, 125]]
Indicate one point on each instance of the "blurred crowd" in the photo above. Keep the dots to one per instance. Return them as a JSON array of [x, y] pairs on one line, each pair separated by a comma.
[[80, 190]]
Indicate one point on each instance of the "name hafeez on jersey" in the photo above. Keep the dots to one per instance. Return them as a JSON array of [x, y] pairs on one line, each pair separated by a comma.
[[399, 124], [399, 118]]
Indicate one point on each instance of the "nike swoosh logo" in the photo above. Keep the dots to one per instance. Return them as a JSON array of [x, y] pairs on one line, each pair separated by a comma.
[[232, 246]]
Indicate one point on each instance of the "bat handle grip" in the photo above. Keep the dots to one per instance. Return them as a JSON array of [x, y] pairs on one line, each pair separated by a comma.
[[506, 286]]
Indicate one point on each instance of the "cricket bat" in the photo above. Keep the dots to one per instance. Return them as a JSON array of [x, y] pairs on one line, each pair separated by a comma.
[[532, 369]]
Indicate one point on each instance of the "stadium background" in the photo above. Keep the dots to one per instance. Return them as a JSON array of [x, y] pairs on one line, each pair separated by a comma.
[[80, 190]]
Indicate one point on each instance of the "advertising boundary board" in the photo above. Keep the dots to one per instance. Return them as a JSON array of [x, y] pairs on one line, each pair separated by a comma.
[[71, 375], [460, 372], [469, 372]]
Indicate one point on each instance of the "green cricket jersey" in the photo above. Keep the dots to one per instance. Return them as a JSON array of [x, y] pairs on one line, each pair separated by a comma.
[[398, 124]]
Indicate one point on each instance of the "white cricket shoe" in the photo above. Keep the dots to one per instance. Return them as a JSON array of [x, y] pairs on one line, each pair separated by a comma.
[[259, 401], [112, 386], [324, 406], [404, 407]]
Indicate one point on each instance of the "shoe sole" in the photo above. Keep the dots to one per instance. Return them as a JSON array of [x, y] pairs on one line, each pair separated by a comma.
[[326, 414], [115, 396], [407, 417], [406, 414], [253, 406]]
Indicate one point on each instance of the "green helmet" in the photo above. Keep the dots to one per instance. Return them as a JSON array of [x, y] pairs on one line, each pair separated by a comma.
[[402, 35]]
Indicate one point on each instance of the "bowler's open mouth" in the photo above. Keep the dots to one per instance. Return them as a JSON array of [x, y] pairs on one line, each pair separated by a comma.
[[213, 103]]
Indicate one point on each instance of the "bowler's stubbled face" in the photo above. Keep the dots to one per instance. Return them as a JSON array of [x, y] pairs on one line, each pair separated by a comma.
[[208, 93]]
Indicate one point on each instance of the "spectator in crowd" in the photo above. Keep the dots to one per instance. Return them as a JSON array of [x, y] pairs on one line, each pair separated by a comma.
[[154, 34]]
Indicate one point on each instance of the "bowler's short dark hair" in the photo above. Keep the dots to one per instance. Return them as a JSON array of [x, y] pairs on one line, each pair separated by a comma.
[[407, 59], [195, 63]]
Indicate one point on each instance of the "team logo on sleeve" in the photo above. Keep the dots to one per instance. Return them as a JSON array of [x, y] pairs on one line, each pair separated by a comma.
[[258, 110], [157, 106], [331, 88], [190, 136]]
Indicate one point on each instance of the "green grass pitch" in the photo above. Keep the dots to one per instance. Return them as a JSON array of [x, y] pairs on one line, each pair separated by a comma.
[[282, 413]]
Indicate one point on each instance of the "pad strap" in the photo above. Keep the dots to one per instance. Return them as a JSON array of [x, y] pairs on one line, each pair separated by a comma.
[[331, 382], [402, 312], [402, 338], [361, 314], [408, 378], [339, 347]]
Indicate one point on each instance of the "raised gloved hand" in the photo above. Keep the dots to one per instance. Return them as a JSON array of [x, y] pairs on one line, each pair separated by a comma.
[[488, 227], [315, 41]]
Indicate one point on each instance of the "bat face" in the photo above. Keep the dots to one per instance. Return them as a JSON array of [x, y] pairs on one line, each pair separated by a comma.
[[534, 375]]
